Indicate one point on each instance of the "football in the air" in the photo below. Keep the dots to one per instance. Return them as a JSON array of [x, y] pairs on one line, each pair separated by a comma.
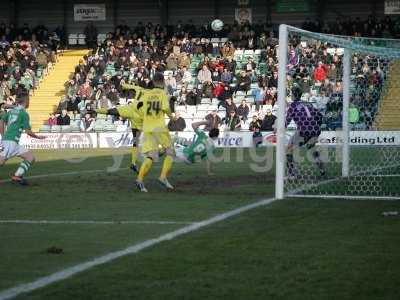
[[217, 25]]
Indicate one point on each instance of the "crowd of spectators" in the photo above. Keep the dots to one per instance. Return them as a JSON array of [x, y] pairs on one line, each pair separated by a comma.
[[372, 27], [200, 71], [25, 56]]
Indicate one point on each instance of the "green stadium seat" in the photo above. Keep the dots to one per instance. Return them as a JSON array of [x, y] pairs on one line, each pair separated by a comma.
[[45, 128], [248, 53], [253, 86], [99, 128], [238, 55], [250, 99], [238, 99], [110, 127], [262, 68], [75, 128], [55, 128], [66, 128]]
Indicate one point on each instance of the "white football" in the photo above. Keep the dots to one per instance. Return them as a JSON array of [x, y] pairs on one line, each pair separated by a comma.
[[217, 25]]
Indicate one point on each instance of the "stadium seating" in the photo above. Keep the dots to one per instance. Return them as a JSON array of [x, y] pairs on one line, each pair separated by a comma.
[[81, 39], [241, 57], [25, 62], [73, 39], [389, 110]]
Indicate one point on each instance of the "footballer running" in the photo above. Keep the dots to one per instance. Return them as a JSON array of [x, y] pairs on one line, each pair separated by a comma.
[[12, 124]]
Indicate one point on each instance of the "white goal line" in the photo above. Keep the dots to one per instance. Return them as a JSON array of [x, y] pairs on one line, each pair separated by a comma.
[[377, 198], [77, 222]]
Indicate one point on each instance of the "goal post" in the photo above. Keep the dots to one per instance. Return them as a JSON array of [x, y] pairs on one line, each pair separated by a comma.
[[345, 113], [280, 127], [353, 84]]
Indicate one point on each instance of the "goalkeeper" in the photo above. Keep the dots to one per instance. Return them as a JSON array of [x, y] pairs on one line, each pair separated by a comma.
[[201, 146], [308, 122]]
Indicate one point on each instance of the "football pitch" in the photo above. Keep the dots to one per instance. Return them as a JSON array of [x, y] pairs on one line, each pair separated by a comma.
[[212, 238]]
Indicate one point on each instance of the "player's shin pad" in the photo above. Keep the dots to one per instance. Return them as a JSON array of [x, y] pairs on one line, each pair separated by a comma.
[[167, 166], [144, 169]]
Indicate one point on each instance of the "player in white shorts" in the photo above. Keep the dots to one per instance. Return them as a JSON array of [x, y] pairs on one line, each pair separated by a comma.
[[12, 124]]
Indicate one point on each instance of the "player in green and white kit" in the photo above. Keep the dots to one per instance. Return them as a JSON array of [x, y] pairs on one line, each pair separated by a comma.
[[202, 144], [12, 124]]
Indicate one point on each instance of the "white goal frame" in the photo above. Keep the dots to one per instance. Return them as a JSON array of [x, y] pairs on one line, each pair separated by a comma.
[[281, 113]]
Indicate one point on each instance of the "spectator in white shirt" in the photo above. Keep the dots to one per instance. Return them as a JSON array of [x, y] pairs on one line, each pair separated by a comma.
[[103, 102], [321, 102], [187, 76], [204, 75]]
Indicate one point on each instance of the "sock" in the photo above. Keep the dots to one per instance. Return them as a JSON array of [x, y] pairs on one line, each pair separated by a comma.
[[167, 165], [290, 164], [144, 169], [134, 155], [23, 168]]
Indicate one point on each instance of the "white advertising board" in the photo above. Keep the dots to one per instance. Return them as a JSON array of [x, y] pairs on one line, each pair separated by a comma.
[[225, 140], [89, 12], [392, 7], [61, 141]]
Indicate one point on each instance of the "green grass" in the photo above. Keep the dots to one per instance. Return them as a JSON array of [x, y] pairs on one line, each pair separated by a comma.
[[292, 249]]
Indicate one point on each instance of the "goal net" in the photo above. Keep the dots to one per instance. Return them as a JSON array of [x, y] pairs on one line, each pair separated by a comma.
[[338, 116]]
